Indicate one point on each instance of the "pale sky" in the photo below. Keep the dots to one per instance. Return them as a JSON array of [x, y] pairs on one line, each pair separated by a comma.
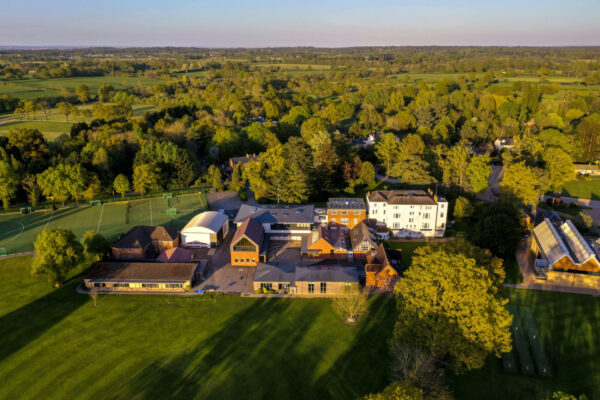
[[270, 23]]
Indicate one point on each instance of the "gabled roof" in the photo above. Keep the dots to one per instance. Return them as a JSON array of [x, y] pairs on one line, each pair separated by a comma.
[[141, 272], [244, 159], [378, 260], [417, 197], [140, 236], [209, 220], [334, 237], [175, 255], [359, 234], [251, 229], [273, 214], [579, 249], [326, 274], [586, 167], [549, 242]]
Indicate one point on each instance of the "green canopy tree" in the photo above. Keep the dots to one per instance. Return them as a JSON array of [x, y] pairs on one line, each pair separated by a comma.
[[450, 304], [478, 172], [387, 150], [500, 227], [146, 177], [522, 183], [9, 181], [95, 245], [83, 92], [215, 179], [121, 185], [367, 173], [454, 166], [559, 167], [57, 252]]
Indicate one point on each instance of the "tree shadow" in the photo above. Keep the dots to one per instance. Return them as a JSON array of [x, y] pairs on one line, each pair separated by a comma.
[[260, 352], [355, 374], [24, 325]]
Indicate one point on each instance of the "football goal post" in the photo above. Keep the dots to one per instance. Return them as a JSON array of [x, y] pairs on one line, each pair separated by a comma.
[[167, 195], [3, 251], [25, 210], [171, 211], [95, 203]]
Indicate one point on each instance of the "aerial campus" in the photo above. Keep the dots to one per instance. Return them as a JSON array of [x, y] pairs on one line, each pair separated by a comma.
[[300, 201]]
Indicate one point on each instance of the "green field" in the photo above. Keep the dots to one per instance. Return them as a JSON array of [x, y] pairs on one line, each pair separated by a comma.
[[33, 88], [18, 232], [56, 124], [583, 189], [568, 326], [57, 345]]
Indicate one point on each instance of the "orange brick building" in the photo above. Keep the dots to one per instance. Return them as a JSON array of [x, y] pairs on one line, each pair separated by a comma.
[[325, 242], [379, 271], [247, 243], [346, 212]]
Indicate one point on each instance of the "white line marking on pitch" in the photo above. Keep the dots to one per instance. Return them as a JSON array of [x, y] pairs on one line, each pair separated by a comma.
[[47, 222], [150, 212], [100, 220]]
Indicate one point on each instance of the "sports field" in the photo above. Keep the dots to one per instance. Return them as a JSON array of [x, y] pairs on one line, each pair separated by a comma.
[[57, 345], [18, 231]]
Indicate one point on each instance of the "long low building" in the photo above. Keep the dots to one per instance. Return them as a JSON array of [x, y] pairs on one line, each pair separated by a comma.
[[562, 248], [141, 276], [280, 222], [320, 281]]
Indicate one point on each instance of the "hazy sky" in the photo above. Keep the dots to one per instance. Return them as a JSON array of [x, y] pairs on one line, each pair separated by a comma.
[[258, 23]]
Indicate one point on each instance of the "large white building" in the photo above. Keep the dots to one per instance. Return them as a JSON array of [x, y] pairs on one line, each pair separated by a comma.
[[408, 213]]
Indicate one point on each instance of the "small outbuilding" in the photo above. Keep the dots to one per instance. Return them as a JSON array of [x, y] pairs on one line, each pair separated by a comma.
[[207, 229]]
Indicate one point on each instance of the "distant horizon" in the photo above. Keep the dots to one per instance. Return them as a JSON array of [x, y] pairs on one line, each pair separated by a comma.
[[233, 47], [311, 23]]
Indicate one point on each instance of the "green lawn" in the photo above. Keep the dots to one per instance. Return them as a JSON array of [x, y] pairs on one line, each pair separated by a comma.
[[408, 248], [18, 232], [50, 129], [31, 88], [583, 189], [56, 345], [568, 325]]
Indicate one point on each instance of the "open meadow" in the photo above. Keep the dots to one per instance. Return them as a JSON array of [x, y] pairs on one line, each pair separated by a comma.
[[57, 345], [19, 231], [227, 347]]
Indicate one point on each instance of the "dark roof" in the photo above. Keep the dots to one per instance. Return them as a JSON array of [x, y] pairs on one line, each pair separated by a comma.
[[140, 271], [140, 236], [418, 197], [244, 160], [273, 214], [252, 229], [359, 234], [276, 272], [326, 274], [175, 255], [352, 203]]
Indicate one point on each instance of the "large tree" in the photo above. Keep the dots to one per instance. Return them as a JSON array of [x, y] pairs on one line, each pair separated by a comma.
[[57, 252], [559, 167], [146, 177], [478, 172], [387, 151], [500, 227], [9, 180], [450, 304], [522, 183], [121, 185]]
